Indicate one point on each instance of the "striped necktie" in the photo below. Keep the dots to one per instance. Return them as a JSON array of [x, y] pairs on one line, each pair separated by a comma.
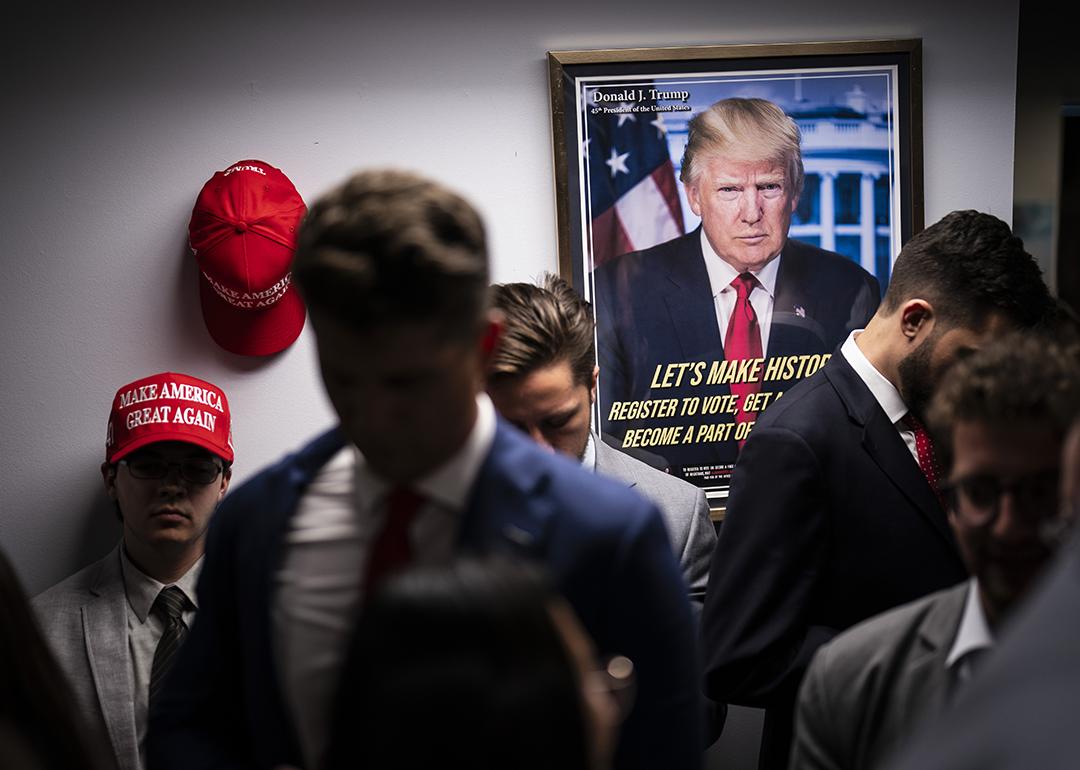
[[169, 606]]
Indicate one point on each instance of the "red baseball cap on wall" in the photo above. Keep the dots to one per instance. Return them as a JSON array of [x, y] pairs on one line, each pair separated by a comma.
[[243, 234], [169, 407]]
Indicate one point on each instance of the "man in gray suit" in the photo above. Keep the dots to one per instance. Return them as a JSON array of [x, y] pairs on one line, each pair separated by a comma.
[[1000, 417], [543, 380], [1021, 713], [116, 625]]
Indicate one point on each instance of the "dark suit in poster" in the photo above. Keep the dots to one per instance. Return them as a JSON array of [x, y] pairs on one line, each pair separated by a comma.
[[655, 307]]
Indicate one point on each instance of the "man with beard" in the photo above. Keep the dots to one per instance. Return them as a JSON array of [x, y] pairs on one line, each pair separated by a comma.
[[834, 513], [1001, 416]]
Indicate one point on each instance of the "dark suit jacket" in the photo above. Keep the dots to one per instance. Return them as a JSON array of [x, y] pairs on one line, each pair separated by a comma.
[[867, 691], [656, 307], [604, 546], [1021, 711], [829, 521]]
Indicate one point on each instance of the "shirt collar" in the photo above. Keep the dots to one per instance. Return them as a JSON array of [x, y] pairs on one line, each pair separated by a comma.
[[450, 483], [884, 392], [142, 590], [588, 460], [974, 632], [721, 274]]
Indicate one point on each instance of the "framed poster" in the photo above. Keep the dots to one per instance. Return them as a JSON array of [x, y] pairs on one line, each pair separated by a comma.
[[732, 213]]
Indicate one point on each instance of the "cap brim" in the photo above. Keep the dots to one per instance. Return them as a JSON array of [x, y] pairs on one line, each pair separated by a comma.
[[217, 450], [252, 332]]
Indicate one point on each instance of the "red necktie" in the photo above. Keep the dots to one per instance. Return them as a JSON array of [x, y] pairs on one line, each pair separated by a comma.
[[924, 448], [743, 340], [391, 550]]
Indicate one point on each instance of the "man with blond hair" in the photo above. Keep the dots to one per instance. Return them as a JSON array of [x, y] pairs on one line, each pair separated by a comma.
[[735, 288]]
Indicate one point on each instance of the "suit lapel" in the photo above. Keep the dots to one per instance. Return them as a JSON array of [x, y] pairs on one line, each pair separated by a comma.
[[794, 330], [689, 301], [608, 460], [504, 511], [264, 548], [929, 679], [882, 442], [105, 630]]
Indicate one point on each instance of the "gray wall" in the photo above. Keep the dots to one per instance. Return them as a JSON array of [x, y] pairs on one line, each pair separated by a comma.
[[115, 115]]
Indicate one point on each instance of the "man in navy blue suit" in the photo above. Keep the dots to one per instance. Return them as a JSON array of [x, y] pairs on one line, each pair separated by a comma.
[[834, 514], [394, 270], [734, 288]]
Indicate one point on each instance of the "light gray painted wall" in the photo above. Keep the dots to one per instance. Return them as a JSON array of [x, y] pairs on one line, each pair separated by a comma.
[[115, 115]]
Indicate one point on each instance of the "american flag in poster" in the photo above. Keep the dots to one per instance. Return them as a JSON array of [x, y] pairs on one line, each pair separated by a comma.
[[631, 180]]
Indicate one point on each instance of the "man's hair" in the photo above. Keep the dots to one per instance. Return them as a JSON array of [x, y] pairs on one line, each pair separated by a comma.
[[969, 265], [471, 651], [543, 325], [391, 246], [744, 130], [1021, 378]]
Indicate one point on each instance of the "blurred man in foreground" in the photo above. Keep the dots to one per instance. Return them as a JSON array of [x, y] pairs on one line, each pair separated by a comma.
[[1002, 416]]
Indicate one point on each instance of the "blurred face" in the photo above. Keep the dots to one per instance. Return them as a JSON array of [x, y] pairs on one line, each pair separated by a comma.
[[405, 393], [1005, 490], [599, 706], [921, 370], [548, 406], [745, 209], [170, 513]]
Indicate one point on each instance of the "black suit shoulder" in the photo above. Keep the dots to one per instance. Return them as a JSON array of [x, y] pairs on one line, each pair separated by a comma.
[[653, 256]]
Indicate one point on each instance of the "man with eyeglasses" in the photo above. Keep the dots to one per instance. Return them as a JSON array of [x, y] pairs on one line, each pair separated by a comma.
[[1001, 418], [116, 625]]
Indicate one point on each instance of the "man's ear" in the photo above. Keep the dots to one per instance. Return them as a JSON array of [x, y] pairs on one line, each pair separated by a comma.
[[917, 319], [490, 335], [592, 385], [108, 476], [693, 197], [226, 477]]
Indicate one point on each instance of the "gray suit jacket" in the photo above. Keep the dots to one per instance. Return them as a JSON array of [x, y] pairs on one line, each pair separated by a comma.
[[868, 689], [685, 511], [1021, 711], [84, 619]]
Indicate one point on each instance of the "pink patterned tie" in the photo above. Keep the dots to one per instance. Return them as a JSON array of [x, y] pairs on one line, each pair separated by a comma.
[[924, 448], [742, 341]]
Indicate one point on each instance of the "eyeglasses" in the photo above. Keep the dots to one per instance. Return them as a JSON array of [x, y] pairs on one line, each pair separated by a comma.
[[977, 498], [616, 676], [192, 470]]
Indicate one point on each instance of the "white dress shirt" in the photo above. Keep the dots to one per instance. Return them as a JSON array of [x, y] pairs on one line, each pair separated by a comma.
[[974, 634], [145, 630], [721, 274], [319, 583], [884, 392]]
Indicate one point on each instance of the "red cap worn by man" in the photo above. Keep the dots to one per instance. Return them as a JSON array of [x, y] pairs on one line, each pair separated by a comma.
[[116, 625]]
